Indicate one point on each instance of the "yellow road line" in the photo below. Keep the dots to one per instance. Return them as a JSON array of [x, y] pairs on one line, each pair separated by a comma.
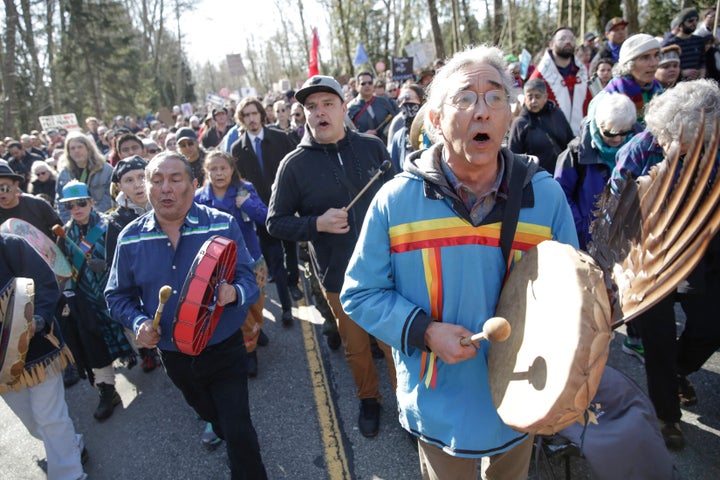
[[337, 465]]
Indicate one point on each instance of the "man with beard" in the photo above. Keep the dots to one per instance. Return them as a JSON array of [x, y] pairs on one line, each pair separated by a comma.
[[566, 78], [692, 55]]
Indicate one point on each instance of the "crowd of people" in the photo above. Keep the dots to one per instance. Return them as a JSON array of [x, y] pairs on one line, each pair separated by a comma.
[[130, 203]]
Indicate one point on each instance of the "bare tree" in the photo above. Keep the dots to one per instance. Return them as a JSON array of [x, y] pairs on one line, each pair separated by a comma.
[[436, 33], [9, 71]]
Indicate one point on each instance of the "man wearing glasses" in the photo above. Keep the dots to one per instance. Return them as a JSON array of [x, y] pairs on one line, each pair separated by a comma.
[[187, 142], [370, 113], [427, 269], [692, 47]]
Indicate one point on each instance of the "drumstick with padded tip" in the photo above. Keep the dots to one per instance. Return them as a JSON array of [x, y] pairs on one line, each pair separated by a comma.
[[384, 167], [495, 329], [163, 296]]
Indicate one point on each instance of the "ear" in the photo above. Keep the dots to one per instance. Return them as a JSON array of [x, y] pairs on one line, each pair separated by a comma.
[[435, 118]]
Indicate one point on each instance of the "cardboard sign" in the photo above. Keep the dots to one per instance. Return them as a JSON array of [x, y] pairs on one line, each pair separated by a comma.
[[68, 121]]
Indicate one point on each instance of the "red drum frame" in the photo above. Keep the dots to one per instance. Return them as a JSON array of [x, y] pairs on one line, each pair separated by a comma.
[[197, 312]]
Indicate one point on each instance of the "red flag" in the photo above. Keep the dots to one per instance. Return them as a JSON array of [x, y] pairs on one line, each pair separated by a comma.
[[313, 65]]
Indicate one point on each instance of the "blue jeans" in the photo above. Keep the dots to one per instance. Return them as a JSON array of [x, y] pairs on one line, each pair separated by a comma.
[[215, 385]]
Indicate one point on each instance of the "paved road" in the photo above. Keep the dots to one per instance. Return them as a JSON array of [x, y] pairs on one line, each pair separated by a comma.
[[305, 412]]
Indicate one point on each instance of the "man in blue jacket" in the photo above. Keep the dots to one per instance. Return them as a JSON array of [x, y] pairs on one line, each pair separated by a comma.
[[427, 269], [158, 249]]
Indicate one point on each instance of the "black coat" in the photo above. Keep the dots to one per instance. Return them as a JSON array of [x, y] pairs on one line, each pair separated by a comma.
[[275, 146], [544, 134]]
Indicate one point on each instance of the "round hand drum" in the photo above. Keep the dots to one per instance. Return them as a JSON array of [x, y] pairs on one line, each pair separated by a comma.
[[41, 244], [544, 376], [16, 317], [197, 312]]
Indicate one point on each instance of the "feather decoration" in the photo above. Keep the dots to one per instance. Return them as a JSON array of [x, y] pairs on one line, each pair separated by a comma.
[[650, 234]]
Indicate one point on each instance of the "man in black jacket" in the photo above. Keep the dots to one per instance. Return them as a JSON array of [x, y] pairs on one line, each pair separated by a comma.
[[317, 181], [258, 153]]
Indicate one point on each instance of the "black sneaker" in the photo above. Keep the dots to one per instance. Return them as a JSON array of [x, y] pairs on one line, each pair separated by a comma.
[[295, 292], [686, 392], [333, 340], [263, 339], [287, 318], [71, 375], [673, 436], [369, 418]]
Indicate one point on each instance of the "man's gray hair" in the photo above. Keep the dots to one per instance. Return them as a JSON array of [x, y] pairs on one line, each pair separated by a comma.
[[615, 113], [166, 155], [678, 110], [437, 91]]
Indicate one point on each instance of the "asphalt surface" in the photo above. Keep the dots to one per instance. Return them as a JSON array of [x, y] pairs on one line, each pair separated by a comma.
[[305, 412]]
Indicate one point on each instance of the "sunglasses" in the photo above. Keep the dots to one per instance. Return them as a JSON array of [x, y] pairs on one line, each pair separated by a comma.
[[607, 134], [6, 188], [153, 151], [362, 84], [186, 144], [42, 173], [79, 203], [297, 115]]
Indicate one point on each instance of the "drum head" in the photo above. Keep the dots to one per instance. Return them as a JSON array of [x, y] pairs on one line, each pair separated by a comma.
[[546, 373], [16, 315], [197, 312], [41, 244]]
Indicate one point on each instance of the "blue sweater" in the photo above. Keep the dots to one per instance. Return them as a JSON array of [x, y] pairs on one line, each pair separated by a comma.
[[252, 211], [145, 261]]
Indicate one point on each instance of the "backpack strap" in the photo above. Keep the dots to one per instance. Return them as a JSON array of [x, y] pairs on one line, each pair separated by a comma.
[[512, 207]]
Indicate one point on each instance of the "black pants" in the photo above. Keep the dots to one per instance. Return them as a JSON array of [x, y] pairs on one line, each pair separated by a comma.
[[291, 262], [272, 250], [666, 356], [215, 385]]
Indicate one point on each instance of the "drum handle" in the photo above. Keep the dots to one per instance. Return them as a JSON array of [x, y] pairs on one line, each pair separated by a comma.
[[163, 296]]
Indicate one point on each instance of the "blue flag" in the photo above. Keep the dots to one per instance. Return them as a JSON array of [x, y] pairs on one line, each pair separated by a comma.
[[361, 56]]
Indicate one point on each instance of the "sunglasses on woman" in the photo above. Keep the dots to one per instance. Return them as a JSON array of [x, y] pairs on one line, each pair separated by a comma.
[[79, 203]]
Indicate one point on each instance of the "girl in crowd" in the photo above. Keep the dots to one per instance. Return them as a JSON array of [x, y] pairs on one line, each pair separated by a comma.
[[226, 191]]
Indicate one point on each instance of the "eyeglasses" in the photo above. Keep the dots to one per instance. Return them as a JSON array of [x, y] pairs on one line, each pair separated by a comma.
[[362, 84], [189, 143], [79, 203], [607, 134], [6, 188], [466, 99], [153, 151]]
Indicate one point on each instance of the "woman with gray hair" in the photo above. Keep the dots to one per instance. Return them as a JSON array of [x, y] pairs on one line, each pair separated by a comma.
[[584, 168], [674, 117], [634, 74]]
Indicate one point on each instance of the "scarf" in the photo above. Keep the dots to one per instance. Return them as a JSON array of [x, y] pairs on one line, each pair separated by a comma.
[[605, 151]]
